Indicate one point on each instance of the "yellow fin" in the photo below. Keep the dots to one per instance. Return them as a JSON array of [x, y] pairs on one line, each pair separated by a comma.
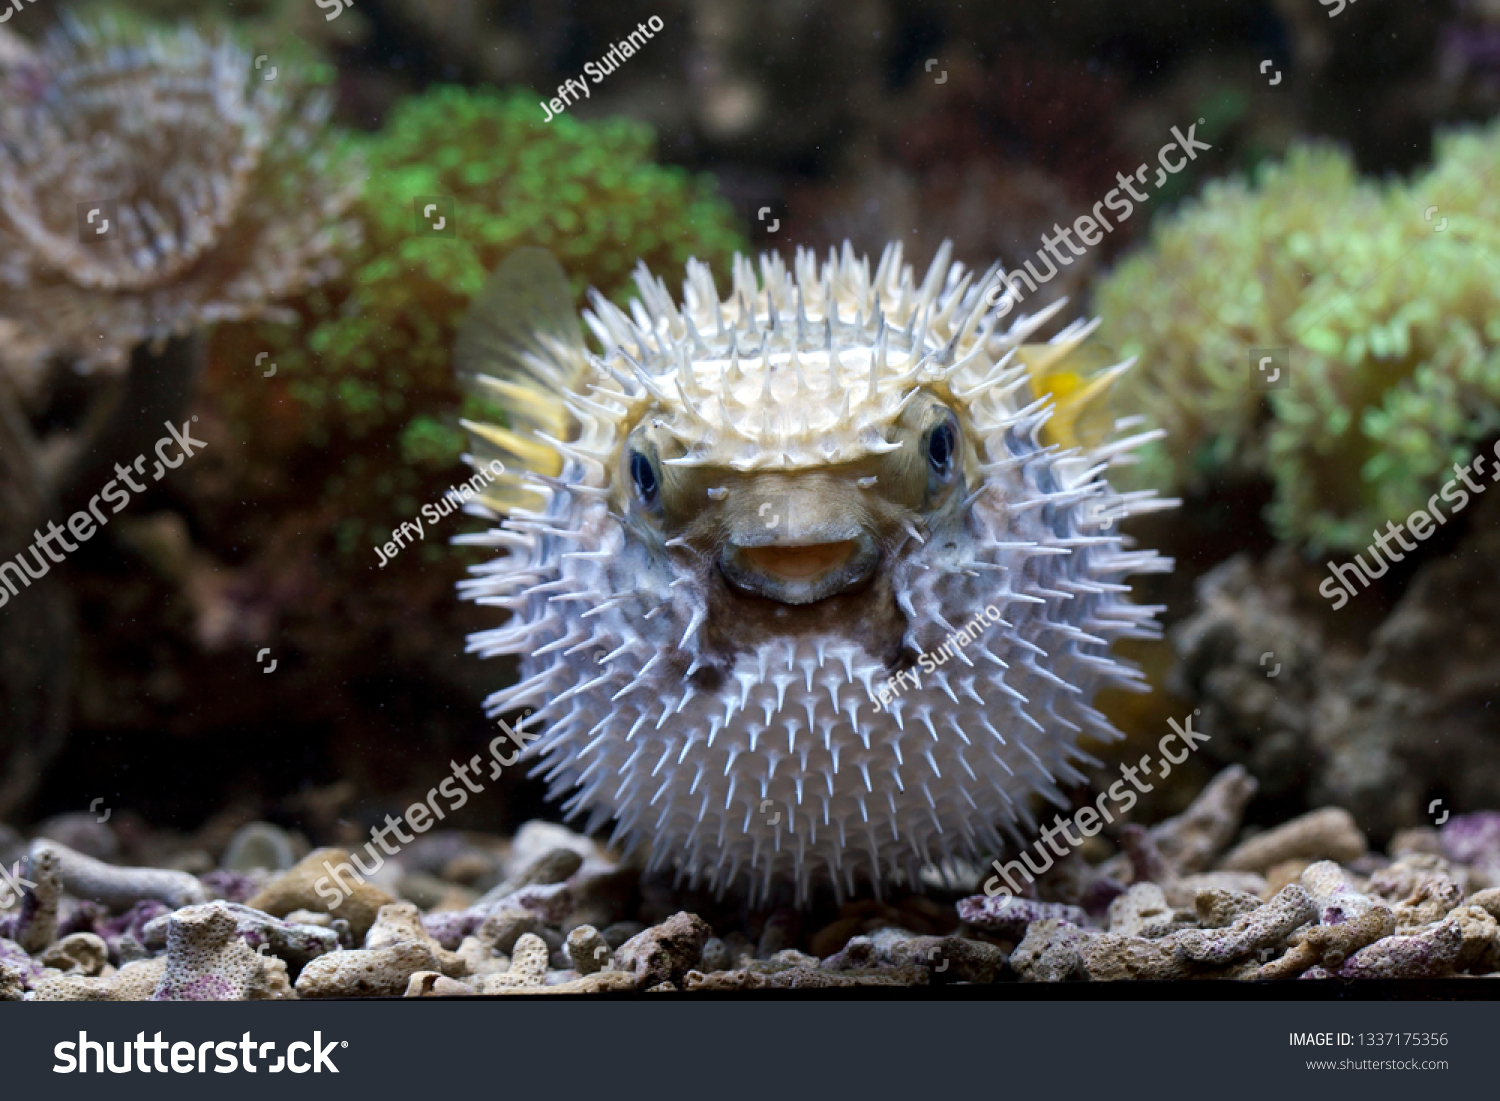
[[1078, 375], [520, 346]]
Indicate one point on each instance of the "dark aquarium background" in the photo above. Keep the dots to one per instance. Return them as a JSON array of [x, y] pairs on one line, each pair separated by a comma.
[[1310, 279]]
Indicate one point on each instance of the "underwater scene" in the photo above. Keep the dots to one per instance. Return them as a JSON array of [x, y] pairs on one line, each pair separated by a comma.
[[897, 496]]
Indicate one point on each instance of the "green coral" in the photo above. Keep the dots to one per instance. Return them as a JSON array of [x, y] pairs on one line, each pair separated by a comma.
[[368, 368], [290, 33], [1388, 307]]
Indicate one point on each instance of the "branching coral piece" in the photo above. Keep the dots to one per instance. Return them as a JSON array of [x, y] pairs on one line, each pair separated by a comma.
[[36, 927], [220, 196], [1386, 297], [116, 887]]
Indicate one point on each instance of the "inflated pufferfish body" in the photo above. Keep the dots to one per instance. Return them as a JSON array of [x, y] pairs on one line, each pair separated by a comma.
[[733, 530]]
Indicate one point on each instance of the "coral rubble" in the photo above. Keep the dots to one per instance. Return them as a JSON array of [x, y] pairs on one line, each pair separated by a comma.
[[1428, 909]]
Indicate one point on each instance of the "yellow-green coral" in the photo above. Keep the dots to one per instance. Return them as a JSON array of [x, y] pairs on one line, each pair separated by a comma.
[[1384, 293], [368, 368]]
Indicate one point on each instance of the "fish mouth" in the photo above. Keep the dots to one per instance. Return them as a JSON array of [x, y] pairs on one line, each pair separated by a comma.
[[799, 573]]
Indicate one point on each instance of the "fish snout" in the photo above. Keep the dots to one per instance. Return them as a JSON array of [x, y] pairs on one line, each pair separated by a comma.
[[797, 542]]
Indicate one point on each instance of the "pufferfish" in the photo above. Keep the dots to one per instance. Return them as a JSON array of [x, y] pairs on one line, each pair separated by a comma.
[[731, 527]]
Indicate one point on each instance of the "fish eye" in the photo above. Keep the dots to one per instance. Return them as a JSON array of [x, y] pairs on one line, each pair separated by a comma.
[[942, 448], [643, 476]]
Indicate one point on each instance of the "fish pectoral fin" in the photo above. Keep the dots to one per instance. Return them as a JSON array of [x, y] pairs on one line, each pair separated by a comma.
[[520, 346], [1078, 374]]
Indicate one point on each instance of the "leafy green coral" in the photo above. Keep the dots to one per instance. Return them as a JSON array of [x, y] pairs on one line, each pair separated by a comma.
[[368, 370], [1385, 294]]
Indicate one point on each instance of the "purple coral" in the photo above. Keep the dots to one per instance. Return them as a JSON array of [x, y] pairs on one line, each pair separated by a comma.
[[13, 956], [1428, 954], [1010, 917], [125, 935], [230, 886], [450, 927], [133, 920], [1474, 838]]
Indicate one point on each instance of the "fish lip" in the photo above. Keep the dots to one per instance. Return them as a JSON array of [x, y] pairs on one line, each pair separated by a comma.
[[741, 569]]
